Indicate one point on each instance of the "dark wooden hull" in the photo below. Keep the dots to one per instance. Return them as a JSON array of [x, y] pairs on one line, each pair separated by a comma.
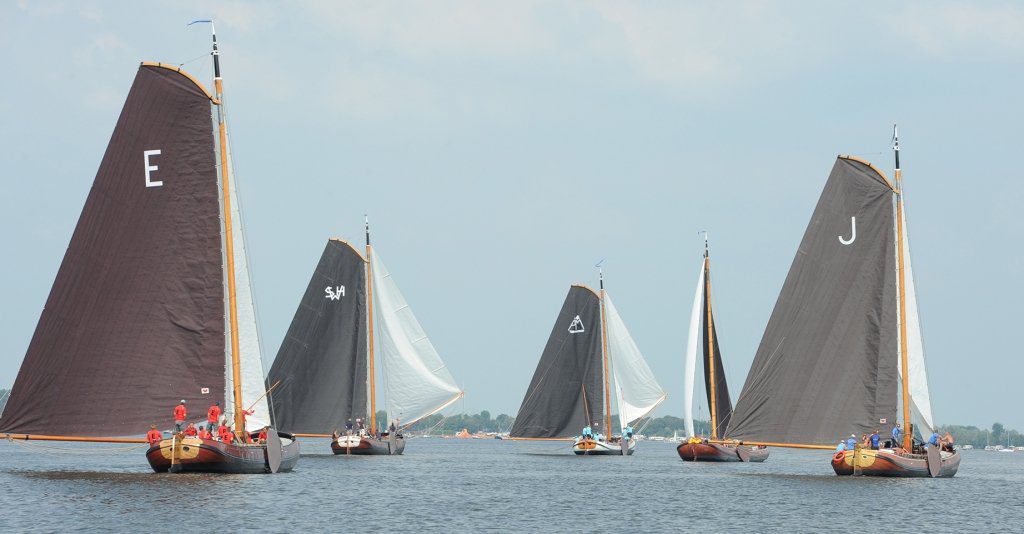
[[886, 463], [717, 452], [194, 455], [368, 446]]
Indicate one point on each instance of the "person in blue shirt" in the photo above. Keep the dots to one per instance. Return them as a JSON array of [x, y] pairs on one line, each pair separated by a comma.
[[934, 440], [841, 447], [587, 432], [852, 442], [629, 431], [896, 436], [874, 441]]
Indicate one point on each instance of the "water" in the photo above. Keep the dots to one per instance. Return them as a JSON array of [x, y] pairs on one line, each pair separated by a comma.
[[446, 484]]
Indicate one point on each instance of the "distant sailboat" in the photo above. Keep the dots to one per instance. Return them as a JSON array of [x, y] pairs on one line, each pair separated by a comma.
[[326, 363], [702, 325], [843, 346], [151, 285], [589, 352]]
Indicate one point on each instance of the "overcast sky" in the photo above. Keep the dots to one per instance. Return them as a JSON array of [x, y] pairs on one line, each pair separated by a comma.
[[503, 148]]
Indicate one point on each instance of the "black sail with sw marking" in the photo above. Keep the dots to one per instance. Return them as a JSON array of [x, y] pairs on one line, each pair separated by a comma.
[[322, 362], [723, 404], [567, 390], [826, 366], [135, 318]]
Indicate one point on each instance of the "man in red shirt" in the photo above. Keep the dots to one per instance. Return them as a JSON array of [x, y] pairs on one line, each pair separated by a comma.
[[224, 433], [190, 430], [213, 415], [154, 436], [263, 435], [180, 414]]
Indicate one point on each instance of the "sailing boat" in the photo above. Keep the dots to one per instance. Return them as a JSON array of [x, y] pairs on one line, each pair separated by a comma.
[[702, 324], [588, 353], [842, 352], [326, 366], [149, 288]]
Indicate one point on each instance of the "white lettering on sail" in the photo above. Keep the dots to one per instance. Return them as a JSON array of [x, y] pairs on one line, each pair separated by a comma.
[[335, 293], [577, 326], [149, 168], [853, 233]]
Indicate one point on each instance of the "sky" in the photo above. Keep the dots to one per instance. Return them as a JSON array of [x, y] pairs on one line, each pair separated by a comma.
[[501, 149]]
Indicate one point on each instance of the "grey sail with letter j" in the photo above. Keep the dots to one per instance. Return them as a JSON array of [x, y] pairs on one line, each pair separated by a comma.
[[826, 365]]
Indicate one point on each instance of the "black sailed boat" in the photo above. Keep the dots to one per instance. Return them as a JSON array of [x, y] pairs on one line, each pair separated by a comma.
[[843, 351], [589, 355], [702, 325], [326, 365], [148, 292]]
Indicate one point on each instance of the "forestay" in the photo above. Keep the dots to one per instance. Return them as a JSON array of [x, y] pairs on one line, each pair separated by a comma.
[[416, 382], [637, 393]]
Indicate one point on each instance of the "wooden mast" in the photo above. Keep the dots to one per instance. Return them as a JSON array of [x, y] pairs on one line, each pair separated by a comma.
[[904, 365], [229, 243], [369, 322], [604, 358], [711, 341]]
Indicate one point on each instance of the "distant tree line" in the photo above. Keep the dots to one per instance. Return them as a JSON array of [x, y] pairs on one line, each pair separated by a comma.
[[667, 426]]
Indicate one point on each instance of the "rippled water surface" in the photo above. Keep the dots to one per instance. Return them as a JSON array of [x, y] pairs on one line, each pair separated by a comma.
[[443, 484]]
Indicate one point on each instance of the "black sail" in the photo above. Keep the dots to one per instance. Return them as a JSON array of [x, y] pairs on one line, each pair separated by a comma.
[[567, 390], [826, 366], [723, 403], [322, 362], [135, 319]]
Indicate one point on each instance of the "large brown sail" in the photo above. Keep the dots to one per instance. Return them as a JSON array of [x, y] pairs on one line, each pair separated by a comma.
[[322, 362], [567, 390], [826, 365], [723, 403], [135, 319]]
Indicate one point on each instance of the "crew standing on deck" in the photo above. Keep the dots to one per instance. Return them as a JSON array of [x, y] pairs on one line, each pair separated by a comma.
[[212, 416], [154, 436], [896, 436], [180, 414], [874, 440]]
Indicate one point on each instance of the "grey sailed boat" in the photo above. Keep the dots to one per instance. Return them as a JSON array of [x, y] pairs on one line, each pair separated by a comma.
[[326, 368], [702, 326], [588, 356], [843, 351], [153, 285]]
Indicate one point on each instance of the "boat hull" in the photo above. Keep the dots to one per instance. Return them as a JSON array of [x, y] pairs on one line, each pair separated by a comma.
[[367, 446], [718, 452], [592, 447], [887, 463], [194, 455]]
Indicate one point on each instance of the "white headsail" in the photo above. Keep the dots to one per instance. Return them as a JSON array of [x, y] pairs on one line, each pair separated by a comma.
[[416, 382], [920, 398], [690, 370], [253, 385], [637, 392]]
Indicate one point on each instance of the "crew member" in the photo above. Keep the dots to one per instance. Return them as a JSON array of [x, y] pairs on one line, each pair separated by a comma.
[[190, 430], [348, 426], [180, 414], [262, 438], [213, 415], [223, 432], [629, 431], [841, 447], [154, 436], [896, 436], [934, 439], [851, 443], [874, 440]]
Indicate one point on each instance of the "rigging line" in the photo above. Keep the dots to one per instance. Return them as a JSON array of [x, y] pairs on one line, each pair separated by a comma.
[[193, 59]]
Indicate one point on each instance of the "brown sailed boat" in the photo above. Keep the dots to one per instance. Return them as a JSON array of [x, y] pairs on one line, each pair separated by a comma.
[[589, 354], [702, 324], [843, 351], [150, 287], [327, 363]]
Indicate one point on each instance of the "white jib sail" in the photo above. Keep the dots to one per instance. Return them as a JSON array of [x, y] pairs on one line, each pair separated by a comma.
[[253, 385], [920, 397], [636, 390], [690, 371], [416, 382]]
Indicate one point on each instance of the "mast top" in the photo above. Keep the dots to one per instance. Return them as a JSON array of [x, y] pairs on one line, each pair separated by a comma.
[[215, 53], [705, 232], [366, 219], [600, 274], [896, 149]]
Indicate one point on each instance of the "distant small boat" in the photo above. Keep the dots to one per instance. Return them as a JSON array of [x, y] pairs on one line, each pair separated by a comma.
[[589, 354], [702, 326], [326, 364]]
